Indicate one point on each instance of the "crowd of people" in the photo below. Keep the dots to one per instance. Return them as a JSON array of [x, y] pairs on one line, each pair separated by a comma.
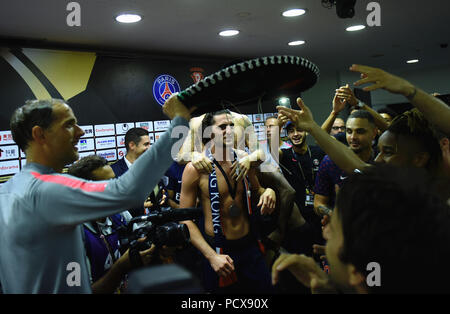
[[365, 210]]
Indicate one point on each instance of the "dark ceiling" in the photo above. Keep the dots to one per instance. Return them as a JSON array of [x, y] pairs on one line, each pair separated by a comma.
[[409, 29]]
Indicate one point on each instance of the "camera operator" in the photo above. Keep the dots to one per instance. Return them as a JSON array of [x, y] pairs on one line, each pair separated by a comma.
[[107, 265], [42, 209]]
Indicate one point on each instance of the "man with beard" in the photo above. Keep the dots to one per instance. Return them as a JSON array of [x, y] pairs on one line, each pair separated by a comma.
[[360, 132], [299, 165]]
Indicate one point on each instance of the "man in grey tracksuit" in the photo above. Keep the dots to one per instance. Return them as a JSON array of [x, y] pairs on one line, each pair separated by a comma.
[[41, 210]]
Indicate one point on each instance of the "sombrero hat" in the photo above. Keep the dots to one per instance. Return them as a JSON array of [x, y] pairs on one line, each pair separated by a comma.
[[249, 81]]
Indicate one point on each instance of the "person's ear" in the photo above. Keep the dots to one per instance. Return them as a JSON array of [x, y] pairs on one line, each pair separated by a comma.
[[421, 159], [37, 134], [132, 145]]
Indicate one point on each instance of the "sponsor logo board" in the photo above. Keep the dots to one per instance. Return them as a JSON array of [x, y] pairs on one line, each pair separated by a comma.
[[148, 125], [122, 128], [9, 167], [88, 130], [9, 152], [6, 138], [104, 129], [105, 142], [109, 154], [85, 144]]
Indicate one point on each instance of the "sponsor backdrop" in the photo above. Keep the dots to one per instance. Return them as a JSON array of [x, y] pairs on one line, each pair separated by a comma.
[[109, 94]]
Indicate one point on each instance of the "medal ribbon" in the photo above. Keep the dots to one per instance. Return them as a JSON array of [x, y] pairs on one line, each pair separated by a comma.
[[219, 238]]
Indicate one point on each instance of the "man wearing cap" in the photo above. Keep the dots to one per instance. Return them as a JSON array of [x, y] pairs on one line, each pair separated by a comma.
[[299, 165]]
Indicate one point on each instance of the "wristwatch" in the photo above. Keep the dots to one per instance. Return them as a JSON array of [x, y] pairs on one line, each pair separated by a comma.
[[360, 105]]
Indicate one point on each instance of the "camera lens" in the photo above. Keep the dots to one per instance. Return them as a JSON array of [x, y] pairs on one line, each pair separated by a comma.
[[172, 234]]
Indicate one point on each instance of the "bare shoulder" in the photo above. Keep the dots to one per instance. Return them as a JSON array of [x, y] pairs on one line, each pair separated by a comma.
[[191, 173]]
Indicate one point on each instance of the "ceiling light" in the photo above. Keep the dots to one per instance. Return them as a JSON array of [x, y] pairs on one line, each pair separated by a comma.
[[229, 32], [355, 28], [294, 12], [128, 18], [296, 43], [412, 61]]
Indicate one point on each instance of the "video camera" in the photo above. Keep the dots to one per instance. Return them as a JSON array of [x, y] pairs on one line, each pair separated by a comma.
[[160, 227]]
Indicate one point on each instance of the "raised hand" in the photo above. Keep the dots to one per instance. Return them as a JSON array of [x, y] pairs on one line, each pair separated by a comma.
[[382, 79], [173, 107], [344, 95], [302, 118]]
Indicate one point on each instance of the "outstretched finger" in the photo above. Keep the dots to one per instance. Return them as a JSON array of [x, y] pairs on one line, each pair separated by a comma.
[[234, 166], [360, 68], [290, 114], [365, 81], [230, 260], [302, 105], [242, 174], [373, 87], [204, 166]]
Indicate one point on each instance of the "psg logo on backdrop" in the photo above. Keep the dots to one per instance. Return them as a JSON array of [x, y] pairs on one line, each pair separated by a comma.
[[164, 86]]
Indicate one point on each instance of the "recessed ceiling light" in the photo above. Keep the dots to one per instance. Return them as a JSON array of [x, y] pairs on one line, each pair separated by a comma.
[[355, 28], [296, 43], [294, 12], [128, 18], [229, 32], [412, 61]]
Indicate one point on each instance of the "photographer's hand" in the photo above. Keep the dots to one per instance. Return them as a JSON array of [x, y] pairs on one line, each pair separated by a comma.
[[147, 255]]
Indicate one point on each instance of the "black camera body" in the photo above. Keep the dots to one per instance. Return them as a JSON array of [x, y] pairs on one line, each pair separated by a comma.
[[160, 228], [344, 8]]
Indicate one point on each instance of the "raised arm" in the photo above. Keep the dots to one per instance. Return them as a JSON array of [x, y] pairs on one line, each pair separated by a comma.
[[86, 201], [347, 94], [434, 109], [345, 158], [339, 103]]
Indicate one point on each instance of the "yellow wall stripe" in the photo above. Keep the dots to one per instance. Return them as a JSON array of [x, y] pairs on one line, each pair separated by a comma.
[[68, 71], [32, 81]]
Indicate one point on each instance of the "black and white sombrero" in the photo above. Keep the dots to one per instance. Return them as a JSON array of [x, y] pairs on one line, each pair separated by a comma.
[[251, 80]]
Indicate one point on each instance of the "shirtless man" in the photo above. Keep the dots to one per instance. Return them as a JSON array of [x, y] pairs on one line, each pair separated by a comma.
[[234, 261]]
